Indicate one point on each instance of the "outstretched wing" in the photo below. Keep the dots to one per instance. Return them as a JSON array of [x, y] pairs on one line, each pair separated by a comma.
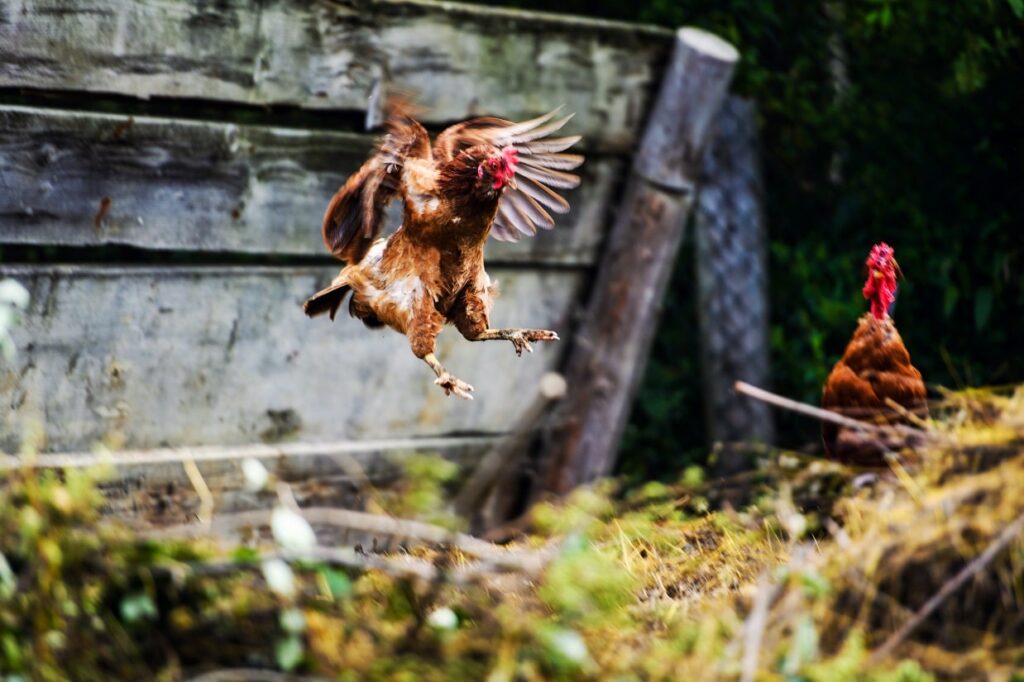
[[526, 202], [355, 216]]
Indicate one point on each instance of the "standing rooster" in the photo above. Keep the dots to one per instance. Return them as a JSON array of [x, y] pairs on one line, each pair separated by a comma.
[[875, 367], [485, 176]]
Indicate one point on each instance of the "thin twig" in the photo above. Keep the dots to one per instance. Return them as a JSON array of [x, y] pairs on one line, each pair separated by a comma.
[[966, 573], [206, 501], [251, 675], [500, 464], [907, 414], [354, 520], [823, 414], [286, 497], [401, 567], [753, 629], [214, 453]]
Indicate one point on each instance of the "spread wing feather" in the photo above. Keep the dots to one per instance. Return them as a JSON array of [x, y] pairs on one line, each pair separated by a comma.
[[542, 165], [544, 195], [355, 215]]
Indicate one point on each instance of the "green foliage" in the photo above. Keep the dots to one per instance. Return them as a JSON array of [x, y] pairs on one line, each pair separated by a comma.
[[421, 492], [70, 584], [654, 586]]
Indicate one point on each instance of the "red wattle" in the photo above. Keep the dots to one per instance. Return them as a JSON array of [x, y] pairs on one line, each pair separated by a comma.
[[880, 291]]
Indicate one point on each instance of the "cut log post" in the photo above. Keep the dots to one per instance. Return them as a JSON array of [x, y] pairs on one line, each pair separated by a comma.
[[731, 285], [607, 359]]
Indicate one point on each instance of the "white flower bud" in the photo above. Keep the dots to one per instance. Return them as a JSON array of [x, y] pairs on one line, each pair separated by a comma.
[[291, 531], [279, 577], [256, 475], [570, 645], [443, 619]]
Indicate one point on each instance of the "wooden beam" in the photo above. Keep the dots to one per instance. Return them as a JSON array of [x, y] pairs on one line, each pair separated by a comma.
[[82, 179], [610, 349], [331, 56], [151, 487], [228, 453], [489, 496]]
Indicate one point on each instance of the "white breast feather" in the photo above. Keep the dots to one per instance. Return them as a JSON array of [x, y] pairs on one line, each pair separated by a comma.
[[404, 292]]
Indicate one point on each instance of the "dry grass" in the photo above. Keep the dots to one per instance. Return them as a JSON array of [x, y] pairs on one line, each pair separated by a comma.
[[792, 572]]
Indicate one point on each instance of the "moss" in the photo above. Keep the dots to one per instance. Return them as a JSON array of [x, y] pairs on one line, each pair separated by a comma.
[[646, 586]]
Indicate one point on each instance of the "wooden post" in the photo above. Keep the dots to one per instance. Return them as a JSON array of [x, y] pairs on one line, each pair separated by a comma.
[[610, 350], [732, 285], [489, 497]]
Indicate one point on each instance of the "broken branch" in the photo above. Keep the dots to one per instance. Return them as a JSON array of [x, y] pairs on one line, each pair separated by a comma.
[[969, 571]]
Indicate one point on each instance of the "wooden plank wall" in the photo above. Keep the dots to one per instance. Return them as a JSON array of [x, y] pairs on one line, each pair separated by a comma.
[[164, 165]]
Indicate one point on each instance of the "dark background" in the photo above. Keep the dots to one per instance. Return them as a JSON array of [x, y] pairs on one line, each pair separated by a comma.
[[923, 147]]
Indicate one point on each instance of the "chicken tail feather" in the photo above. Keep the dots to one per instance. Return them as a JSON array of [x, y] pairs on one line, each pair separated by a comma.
[[326, 300]]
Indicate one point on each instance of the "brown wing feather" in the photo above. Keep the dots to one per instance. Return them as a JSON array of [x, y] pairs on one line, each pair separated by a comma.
[[543, 164], [875, 367], [355, 215]]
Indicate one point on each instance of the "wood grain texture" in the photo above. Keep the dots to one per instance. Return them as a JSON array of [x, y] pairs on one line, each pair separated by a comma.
[[460, 60], [610, 349], [71, 178], [147, 357]]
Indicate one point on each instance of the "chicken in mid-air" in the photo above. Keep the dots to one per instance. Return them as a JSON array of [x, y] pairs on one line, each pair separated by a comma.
[[875, 367], [483, 177]]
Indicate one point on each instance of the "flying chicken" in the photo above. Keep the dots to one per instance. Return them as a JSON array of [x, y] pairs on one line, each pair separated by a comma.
[[483, 177]]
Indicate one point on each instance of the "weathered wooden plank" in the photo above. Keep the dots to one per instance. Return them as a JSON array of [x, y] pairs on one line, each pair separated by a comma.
[[72, 178], [151, 487], [460, 60], [146, 357], [330, 474]]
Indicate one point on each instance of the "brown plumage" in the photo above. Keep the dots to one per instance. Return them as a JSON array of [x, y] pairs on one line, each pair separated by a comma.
[[875, 367], [485, 176]]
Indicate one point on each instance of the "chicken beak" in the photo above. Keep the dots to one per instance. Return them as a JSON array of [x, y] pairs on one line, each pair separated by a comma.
[[512, 182]]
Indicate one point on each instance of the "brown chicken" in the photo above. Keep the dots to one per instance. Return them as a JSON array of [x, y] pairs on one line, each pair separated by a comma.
[[875, 367], [485, 176]]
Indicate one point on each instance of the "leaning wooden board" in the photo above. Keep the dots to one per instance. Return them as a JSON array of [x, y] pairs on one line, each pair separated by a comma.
[[82, 179], [460, 60], [146, 357]]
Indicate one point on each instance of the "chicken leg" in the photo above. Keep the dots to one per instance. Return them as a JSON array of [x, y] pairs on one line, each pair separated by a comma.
[[520, 338], [449, 383]]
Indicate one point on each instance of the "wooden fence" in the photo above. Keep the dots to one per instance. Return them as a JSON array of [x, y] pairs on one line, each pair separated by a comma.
[[164, 166]]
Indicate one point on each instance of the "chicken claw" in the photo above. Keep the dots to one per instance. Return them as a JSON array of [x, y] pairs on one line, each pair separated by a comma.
[[521, 338], [451, 384]]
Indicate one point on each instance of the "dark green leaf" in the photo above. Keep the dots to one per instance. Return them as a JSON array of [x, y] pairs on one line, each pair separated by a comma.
[[982, 308], [136, 607]]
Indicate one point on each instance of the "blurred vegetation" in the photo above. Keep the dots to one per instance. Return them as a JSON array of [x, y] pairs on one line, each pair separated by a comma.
[[921, 148], [673, 581]]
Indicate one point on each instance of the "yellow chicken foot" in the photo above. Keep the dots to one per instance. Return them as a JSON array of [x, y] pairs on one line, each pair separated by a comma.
[[520, 338], [446, 381]]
